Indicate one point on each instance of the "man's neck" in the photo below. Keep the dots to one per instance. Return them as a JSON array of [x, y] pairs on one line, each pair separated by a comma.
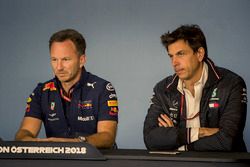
[[67, 86]]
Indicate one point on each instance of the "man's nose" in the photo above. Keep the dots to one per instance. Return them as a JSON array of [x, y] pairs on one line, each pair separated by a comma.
[[174, 61], [59, 65]]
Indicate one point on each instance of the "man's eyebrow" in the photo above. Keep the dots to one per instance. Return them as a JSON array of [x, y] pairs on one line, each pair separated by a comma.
[[179, 52], [170, 55]]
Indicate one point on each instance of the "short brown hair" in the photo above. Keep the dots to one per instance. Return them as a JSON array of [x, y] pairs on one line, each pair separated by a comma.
[[70, 34]]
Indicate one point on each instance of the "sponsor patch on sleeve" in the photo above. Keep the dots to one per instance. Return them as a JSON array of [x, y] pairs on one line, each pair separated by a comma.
[[113, 111], [110, 87], [112, 103], [27, 109], [29, 99], [112, 95], [244, 95]]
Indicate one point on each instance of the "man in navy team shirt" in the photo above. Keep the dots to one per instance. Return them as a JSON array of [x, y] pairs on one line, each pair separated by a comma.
[[75, 106]]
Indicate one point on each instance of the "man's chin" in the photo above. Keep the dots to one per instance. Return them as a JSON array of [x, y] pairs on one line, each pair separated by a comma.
[[63, 79], [182, 77]]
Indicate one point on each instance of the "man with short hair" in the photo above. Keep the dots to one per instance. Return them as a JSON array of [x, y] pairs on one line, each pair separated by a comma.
[[75, 106], [201, 107]]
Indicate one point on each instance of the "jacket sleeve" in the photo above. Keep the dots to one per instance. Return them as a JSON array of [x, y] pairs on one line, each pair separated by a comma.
[[161, 138], [231, 121]]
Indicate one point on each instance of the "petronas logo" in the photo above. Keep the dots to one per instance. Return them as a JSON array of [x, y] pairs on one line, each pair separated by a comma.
[[214, 94]]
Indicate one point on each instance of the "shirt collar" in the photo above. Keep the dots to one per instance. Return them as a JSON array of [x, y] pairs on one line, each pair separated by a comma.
[[82, 80], [201, 81]]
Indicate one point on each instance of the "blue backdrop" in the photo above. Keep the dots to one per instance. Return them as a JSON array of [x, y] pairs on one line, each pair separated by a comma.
[[123, 46]]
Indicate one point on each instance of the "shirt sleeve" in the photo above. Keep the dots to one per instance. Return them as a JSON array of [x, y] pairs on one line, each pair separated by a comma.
[[33, 104], [108, 109]]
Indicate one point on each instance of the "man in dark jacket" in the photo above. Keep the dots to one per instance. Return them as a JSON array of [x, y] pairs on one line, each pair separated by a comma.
[[201, 107]]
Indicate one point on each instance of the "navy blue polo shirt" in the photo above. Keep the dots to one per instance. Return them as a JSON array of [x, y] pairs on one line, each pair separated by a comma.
[[93, 99]]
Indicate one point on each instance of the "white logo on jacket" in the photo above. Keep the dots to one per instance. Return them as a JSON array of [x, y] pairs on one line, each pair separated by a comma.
[[91, 84]]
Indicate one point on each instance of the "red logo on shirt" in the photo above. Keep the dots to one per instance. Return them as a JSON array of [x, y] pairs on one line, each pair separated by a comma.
[[27, 108], [50, 86], [113, 111]]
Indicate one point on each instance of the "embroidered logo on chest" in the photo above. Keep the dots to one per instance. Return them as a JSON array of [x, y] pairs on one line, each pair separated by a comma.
[[87, 104], [214, 100]]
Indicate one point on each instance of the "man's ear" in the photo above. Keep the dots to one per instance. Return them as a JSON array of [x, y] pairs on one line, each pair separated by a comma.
[[82, 60], [201, 54]]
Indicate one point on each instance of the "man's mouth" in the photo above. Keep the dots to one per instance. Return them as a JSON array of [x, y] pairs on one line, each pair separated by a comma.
[[177, 71], [61, 74]]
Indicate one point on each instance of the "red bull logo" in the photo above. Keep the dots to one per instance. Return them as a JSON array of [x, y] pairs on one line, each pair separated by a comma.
[[49, 86]]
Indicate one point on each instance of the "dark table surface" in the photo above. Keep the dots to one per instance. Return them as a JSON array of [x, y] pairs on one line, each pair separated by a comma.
[[118, 158], [131, 154], [141, 158]]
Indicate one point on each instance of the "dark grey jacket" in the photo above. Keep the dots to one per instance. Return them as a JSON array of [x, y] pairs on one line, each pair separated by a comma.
[[223, 105]]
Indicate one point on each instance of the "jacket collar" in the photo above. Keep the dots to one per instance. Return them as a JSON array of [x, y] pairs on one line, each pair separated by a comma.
[[213, 76], [84, 77]]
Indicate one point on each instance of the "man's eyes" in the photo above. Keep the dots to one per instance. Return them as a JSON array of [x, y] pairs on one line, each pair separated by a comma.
[[180, 54], [66, 59]]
